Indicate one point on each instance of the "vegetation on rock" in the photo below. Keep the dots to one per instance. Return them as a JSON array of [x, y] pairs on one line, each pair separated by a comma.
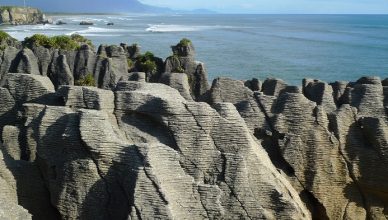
[[146, 63], [184, 42], [59, 42], [6, 40], [5, 36], [6, 8], [81, 39], [130, 63], [87, 80]]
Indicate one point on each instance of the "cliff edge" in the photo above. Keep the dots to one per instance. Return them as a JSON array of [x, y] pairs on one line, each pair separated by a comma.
[[21, 15]]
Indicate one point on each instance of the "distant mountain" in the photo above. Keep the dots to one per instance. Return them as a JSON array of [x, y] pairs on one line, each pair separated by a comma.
[[89, 6]]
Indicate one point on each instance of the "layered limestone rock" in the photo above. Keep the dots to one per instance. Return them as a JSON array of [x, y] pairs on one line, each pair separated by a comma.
[[183, 61], [21, 15], [328, 153], [144, 152], [140, 150], [107, 66]]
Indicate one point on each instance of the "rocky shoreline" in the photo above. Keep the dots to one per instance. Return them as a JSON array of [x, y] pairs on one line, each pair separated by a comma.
[[12, 15], [154, 140]]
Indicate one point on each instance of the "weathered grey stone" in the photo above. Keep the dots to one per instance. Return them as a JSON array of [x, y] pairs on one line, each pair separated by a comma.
[[339, 88], [253, 84], [179, 82], [319, 92], [7, 111], [29, 88], [10, 139], [132, 51], [25, 62], [111, 65], [8, 57], [44, 57], [87, 97], [273, 86], [84, 61], [184, 61], [147, 151], [9, 208], [134, 76], [179, 115], [60, 73], [367, 96]]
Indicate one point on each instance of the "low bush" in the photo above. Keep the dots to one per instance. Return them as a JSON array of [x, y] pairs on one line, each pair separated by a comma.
[[146, 63], [184, 42], [87, 80], [59, 42]]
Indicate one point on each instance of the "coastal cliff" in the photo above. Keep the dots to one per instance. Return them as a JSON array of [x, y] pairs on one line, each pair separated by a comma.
[[21, 15], [155, 141]]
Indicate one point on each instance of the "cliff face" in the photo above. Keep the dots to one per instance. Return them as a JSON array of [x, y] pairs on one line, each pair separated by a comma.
[[21, 15], [144, 150]]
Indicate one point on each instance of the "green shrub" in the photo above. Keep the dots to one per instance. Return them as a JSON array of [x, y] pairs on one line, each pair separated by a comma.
[[4, 36], [146, 62], [64, 42], [6, 8], [59, 42], [81, 39], [184, 42], [38, 40], [148, 66], [130, 63], [179, 69], [87, 80]]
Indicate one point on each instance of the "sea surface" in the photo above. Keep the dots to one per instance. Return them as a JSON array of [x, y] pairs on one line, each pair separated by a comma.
[[291, 47]]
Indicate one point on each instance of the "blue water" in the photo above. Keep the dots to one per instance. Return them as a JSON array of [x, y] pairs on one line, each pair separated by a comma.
[[291, 47]]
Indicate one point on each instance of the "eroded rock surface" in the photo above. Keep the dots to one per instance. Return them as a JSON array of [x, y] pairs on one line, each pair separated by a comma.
[[141, 150], [325, 138]]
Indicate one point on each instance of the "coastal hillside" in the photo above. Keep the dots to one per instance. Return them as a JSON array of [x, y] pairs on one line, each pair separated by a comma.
[[111, 132], [20, 15], [90, 6]]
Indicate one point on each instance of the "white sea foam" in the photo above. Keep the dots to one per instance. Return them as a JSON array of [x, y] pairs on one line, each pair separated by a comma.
[[161, 28], [35, 28], [97, 31], [174, 28]]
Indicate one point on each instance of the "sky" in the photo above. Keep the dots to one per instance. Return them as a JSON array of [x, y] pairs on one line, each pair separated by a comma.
[[279, 6]]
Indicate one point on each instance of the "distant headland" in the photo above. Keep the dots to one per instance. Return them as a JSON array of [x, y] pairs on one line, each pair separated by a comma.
[[15, 15]]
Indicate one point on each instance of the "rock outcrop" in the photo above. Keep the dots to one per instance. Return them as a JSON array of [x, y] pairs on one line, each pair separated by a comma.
[[183, 61], [325, 138], [22, 15], [137, 149]]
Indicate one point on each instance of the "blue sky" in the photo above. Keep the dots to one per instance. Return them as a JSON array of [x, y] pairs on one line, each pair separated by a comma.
[[279, 6]]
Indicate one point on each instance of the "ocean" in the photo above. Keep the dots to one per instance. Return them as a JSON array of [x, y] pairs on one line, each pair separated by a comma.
[[290, 47]]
